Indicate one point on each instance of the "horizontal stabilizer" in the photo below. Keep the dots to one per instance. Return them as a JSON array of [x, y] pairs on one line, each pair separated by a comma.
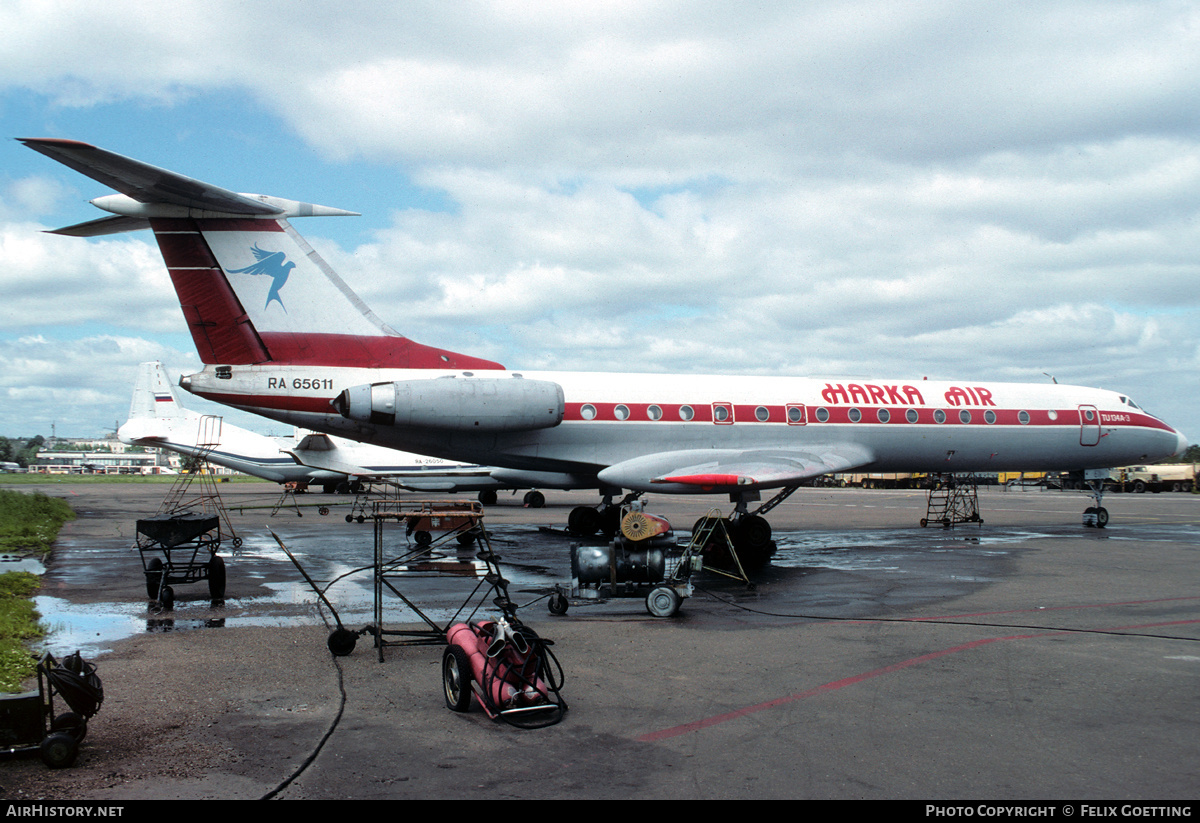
[[105, 225], [147, 191]]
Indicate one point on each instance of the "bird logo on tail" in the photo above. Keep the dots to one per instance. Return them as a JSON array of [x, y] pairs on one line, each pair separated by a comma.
[[273, 264]]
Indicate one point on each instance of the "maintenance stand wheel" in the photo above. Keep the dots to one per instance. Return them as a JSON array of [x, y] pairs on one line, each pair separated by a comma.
[[558, 604], [663, 601], [341, 642], [456, 679]]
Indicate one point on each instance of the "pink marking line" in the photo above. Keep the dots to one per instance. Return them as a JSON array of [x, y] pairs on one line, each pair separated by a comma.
[[697, 725]]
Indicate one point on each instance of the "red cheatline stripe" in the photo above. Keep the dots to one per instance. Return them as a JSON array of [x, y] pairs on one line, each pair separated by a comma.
[[697, 725], [828, 687]]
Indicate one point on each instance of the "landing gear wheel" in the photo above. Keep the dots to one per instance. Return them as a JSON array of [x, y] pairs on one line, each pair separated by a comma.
[[341, 642], [534, 499], [583, 521], [753, 532], [487, 497], [663, 602], [456, 679], [59, 749], [557, 604], [1101, 517], [216, 579], [610, 521]]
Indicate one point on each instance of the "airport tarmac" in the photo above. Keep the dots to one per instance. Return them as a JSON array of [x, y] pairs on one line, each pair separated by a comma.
[[1027, 658]]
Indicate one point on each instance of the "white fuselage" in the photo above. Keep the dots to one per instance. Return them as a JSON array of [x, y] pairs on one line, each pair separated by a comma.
[[912, 425]]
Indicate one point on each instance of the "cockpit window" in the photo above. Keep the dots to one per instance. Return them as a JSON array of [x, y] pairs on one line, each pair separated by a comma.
[[1129, 402]]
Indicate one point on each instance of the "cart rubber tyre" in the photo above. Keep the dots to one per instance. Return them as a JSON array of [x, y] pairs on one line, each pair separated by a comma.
[[58, 750], [216, 578], [341, 642], [168, 599], [422, 538], [558, 604], [456, 679], [663, 602], [153, 577]]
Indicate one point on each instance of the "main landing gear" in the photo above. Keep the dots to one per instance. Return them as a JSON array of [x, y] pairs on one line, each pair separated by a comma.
[[749, 531]]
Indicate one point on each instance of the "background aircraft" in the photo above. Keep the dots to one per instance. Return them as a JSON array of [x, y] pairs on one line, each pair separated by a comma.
[[301, 347], [157, 419]]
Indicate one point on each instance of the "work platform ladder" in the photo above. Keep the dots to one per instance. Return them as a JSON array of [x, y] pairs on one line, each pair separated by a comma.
[[195, 491], [952, 499]]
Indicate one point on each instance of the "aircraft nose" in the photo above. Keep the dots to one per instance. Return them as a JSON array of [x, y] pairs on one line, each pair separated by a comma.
[[1181, 443]]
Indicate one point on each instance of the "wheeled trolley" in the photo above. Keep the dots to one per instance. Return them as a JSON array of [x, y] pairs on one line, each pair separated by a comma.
[[29, 721], [179, 549], [643, 560]]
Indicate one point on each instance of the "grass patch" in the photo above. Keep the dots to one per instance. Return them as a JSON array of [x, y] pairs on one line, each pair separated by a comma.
[[28, 525], [30, 522], [18, 625]]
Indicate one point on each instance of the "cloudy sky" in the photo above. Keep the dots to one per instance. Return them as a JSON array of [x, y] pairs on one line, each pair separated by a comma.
[[984, 191]]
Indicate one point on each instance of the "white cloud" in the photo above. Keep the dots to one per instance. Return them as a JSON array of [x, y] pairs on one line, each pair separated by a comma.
[[862, 187]]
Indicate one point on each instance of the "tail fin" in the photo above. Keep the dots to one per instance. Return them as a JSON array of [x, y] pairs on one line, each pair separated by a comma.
[[252, 290], [153, 395]]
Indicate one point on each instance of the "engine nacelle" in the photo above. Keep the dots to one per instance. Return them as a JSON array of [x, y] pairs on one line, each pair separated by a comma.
[[477, 404]]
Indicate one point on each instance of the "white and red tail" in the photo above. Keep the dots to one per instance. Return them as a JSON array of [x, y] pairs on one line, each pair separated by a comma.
[[251, 289]]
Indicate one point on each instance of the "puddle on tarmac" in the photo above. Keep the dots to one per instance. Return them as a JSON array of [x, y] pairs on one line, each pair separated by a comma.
[[531, 561]]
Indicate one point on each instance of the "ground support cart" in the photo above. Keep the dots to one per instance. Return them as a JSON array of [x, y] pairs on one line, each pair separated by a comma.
[[29, 721], [952, 499], [509, 669], [180, 549], [642, 560], [179, 544]]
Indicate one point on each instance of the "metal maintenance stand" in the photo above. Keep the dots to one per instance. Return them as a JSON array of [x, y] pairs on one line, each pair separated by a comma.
[[953, 499], [179, 544], [460, 525]]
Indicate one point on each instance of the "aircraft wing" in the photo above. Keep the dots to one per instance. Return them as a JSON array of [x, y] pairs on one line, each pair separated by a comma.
[[694, 470], [317, 452]]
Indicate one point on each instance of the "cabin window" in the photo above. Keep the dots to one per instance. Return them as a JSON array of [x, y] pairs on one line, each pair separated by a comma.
[[964, 416], [1089, 415], [587, 411], [1052, 414], [822, 415], [654, 413], [761, 414], [855, 415], [883, 415], [795, 415], [722, 413], [939, 416], [686, 413], [1023, 418], [622, 412], [989, 417], [911, 416]]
